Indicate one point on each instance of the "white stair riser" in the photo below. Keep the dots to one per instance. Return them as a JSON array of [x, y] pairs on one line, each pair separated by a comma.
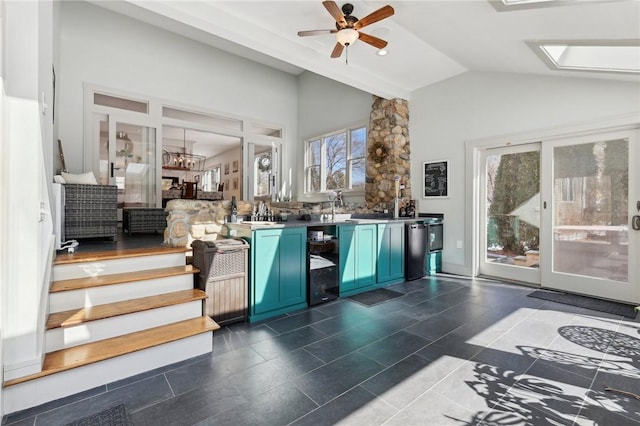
[[117, 266], [84, 298], [36, 392], [61, 338]]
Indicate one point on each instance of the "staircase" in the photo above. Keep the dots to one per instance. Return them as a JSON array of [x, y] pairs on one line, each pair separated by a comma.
[[113, 315]]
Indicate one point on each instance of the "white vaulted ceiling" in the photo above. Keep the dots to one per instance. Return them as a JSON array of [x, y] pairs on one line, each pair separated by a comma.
[[429, 41]]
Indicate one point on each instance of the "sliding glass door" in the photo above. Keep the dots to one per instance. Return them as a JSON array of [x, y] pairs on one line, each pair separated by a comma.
[[510, 213], [590, 195]]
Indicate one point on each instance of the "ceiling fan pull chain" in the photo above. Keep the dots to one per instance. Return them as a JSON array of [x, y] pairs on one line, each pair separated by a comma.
[[346, 56]]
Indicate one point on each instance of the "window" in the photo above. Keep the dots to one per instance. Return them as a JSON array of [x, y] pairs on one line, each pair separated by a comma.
[[211, 179], [336, 161], [262, 174], [567, 189]]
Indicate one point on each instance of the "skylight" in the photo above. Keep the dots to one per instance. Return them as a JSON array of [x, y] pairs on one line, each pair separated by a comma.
[[507, 5], [618, 57], [514, 2]]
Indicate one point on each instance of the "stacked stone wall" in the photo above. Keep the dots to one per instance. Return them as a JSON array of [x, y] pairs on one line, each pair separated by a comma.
[[388, 153]]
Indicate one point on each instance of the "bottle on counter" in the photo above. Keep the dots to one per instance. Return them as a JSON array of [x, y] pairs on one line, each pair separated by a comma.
[[234, 210]]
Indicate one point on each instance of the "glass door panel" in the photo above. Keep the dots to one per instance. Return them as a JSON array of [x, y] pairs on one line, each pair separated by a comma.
[[589, 211], [132, 163], [510, 242], [262, 176], [101, 135]]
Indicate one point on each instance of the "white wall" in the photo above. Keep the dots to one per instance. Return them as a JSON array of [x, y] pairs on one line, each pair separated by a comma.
[[107, 49], [3, 140], [479, 105], [325, 105], [25, 220]]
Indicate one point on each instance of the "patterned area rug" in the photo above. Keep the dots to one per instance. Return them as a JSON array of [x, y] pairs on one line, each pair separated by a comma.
[[586, 302], [375, 297], [114, 416]]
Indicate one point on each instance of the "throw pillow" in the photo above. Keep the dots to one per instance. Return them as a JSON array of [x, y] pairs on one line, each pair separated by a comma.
[[82, 179]]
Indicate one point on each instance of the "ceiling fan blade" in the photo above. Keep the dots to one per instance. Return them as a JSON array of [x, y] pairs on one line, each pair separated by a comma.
[[315, 32], [378, 15], [374, 41], [335, 11], [337, 51]]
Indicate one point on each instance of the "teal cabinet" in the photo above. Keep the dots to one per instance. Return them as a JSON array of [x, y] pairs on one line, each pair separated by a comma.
[[357, 258], [390, 264], [278, 272], [433, 262]]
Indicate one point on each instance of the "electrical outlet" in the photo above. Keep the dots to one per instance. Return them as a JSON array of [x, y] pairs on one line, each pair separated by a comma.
[[459, 244]]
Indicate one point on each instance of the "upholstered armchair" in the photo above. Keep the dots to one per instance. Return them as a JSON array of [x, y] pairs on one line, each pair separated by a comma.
[[90, 211]]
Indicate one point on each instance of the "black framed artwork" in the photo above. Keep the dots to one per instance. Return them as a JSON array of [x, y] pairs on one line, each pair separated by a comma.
[[435, 179]]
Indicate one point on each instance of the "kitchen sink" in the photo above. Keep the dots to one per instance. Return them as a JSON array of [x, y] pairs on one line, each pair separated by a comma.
[[364, 220]]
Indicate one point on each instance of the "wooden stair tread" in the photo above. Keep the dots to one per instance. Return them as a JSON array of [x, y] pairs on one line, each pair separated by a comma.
[[78, 356], [124, 277], [63, 259], [83, 315]]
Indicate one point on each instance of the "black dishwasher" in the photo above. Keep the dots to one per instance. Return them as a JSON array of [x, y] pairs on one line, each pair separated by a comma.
[[415, 250]]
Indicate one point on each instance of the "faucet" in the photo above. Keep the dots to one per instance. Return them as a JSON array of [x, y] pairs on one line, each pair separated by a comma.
[[339, 201], [396, 199], [335, 200]]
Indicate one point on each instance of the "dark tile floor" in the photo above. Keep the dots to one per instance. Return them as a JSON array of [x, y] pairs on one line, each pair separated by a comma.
[[123, 241], [450, 351]]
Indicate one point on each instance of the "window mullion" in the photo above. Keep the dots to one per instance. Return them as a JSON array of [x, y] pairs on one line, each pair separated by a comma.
[[323, 164], [348, 161]]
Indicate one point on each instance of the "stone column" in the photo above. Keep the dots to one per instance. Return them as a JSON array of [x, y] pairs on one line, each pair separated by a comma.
[[388, 151]]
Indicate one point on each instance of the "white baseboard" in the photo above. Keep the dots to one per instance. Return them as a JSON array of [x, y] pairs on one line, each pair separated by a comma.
[[452, 268]]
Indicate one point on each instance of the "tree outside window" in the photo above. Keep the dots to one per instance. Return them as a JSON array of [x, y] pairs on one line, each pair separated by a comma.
[[336, 161]]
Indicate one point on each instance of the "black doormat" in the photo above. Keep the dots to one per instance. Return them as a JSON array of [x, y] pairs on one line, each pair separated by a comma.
[[374, 297], [586, 302], [114, 416]]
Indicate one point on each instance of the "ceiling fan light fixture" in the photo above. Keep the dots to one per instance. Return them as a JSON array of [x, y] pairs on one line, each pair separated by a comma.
[[382, 52], [347, 36]]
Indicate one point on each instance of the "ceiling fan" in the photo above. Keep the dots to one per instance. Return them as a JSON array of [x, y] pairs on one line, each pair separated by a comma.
[[348, 27]]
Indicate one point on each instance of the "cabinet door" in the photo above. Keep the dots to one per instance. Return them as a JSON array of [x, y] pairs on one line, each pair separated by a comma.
[[279, 269], [358, 251], [366, 244], [346, 235], [293, 263], [390, 266], [265, 293]]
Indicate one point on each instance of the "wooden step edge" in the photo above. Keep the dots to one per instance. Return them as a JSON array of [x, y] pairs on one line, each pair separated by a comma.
[[75, 317], [120, 278], [91, 353], [70, 258]]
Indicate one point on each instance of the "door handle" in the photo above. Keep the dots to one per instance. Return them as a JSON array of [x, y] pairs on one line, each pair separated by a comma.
[[112, 168], [635, 223]]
